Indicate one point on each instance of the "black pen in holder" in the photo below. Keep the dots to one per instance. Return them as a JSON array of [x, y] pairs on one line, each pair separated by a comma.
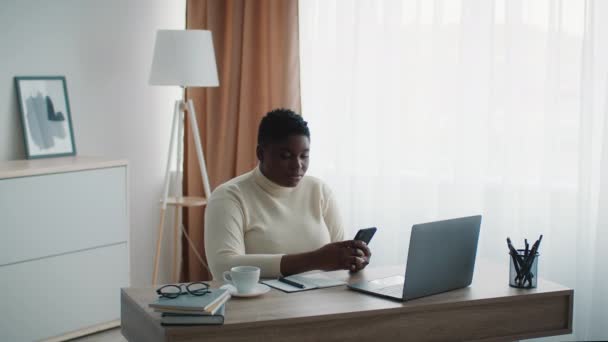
[[523, 269]]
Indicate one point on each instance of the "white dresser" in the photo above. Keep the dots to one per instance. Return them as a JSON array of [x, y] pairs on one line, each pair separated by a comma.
[[64, 246]]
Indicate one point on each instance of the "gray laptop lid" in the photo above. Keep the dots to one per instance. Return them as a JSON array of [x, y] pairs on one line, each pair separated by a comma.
[[441, 256]]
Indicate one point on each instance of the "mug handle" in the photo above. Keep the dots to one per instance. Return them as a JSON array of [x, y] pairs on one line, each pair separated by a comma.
[[227, 277]]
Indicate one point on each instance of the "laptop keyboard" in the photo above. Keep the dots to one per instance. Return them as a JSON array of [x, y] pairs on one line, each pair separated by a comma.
[[393, 291]]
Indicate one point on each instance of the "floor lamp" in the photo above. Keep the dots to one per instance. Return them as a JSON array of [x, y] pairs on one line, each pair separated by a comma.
[[182, 58]]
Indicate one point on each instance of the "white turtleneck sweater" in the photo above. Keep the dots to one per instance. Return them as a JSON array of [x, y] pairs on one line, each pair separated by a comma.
[[252, 221]]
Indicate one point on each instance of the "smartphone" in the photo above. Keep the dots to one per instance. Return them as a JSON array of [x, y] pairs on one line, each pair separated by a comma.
[[365, 234]]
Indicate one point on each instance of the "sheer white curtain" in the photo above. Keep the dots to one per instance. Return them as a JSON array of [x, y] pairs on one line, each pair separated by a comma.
[[425, 110]]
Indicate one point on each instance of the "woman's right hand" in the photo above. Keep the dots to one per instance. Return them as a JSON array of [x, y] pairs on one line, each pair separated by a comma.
[[350, 255]]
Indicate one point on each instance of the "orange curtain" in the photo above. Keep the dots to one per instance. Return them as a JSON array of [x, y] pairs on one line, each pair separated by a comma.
[[257, 52]]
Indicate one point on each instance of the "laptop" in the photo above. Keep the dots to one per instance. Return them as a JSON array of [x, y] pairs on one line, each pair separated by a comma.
[[441, 258]]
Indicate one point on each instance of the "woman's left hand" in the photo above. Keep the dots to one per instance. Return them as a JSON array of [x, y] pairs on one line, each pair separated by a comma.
[[362, 255]]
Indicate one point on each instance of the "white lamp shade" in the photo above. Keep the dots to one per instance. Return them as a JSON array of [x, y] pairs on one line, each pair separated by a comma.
[[184, 58]]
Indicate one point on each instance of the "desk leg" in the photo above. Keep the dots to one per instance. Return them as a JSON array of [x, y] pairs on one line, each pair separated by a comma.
[[134, 326]]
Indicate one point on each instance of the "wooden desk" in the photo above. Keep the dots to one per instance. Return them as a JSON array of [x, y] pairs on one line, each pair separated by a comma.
[[487, 310]]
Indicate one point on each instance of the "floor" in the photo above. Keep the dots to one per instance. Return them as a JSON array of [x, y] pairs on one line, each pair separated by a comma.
[[112, 335]]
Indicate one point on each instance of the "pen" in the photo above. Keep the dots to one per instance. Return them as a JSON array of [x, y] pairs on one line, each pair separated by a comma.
[[291, 282], [515, 253], [530, 260], [527, 270], [537, 243], [516, 259]]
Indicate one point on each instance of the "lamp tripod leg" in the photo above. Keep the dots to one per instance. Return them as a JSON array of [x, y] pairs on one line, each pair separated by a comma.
[[178, 193], [165, 194], [158, 242], [201, 159], [199, 149], [175, 245]]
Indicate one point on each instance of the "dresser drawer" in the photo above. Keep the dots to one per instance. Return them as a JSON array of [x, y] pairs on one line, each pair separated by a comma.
[[57, 295], [58, 213]]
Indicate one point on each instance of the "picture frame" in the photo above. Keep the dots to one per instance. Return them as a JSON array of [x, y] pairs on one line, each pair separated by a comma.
[[45, 116]]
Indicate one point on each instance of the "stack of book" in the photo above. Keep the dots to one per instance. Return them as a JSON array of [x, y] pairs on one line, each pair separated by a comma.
[[193, 310]]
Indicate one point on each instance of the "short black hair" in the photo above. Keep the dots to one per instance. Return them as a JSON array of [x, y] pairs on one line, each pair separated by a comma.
[[280, 123]]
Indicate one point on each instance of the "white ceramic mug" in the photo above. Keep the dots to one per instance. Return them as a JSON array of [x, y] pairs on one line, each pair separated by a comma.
[[244, 278]]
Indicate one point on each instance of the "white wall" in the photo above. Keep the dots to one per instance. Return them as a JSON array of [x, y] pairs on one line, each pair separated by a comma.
[[104, 49]]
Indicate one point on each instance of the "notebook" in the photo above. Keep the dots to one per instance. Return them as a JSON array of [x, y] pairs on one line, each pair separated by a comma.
[[194, 318], [211, 310], [309, 281], [189, 303]]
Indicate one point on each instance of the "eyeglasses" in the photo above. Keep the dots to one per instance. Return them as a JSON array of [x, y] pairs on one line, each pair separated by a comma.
[[174, 291]]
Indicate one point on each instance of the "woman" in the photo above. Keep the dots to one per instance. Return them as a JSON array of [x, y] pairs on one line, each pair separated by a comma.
[[276, 218]]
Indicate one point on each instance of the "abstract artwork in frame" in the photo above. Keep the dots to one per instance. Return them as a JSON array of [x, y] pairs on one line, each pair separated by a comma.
[[45, 116]]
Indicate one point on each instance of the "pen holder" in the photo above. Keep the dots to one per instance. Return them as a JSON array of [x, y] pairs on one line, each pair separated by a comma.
[[523, 270]]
